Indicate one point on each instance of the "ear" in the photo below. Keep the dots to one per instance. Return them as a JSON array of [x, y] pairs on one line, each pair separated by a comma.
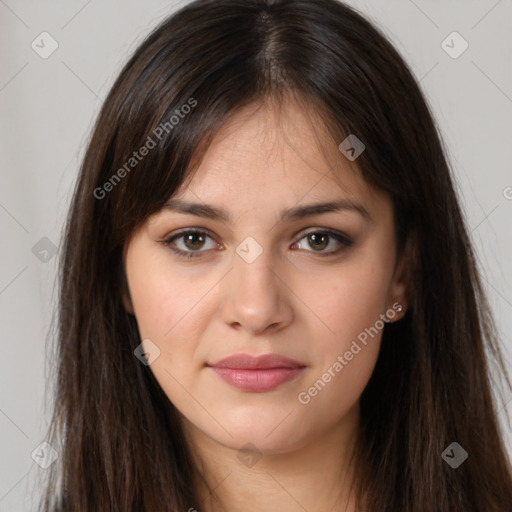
[[401, 284], [125, 293], [127, 302]]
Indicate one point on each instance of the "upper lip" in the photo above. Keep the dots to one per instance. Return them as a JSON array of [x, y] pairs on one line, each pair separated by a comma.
[[247, 361]]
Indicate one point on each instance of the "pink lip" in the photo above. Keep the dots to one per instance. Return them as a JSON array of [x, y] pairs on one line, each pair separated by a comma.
[[261, 373]]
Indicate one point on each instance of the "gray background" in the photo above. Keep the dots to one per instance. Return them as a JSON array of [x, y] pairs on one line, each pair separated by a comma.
[[47, 109]]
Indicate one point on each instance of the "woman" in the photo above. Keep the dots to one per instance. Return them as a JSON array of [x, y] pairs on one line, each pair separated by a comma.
[[269, 300]]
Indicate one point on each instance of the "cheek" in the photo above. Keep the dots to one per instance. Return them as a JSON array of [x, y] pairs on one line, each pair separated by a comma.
[[172, 308], [349, 304], [330, 394], [167, 306], [165, 298], [153, 305], [346, 301]]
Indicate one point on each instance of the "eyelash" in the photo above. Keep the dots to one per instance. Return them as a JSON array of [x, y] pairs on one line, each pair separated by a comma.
[[341, 238]]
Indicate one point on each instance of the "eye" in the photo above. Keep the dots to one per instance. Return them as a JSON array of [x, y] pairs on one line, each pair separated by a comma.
[[320, 240], [192, 240]]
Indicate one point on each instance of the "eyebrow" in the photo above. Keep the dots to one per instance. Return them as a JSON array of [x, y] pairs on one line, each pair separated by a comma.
[[289, 214]]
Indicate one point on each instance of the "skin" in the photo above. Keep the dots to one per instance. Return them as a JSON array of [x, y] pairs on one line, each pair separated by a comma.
[[290, 300]]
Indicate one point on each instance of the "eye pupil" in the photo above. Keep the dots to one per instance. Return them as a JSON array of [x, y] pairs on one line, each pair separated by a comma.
[[191, 237], [320, 241]]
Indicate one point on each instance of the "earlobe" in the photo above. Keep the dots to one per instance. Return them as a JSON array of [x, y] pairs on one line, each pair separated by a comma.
[[128, 304], [125, 295], [394, 313], [401, 287], [125, 290]]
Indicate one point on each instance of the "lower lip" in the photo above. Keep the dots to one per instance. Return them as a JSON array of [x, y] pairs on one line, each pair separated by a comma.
[[256, 380]]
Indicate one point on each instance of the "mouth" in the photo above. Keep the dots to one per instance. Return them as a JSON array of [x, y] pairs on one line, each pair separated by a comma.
[[256, 374]]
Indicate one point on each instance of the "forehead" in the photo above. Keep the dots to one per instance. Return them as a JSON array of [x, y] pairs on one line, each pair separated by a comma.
[[264, 156]]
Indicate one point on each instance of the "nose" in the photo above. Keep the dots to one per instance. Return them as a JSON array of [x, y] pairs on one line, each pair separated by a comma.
[[256, 297]]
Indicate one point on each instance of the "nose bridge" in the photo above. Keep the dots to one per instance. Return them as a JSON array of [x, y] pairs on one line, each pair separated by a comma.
[[254, 295], [253, 268]]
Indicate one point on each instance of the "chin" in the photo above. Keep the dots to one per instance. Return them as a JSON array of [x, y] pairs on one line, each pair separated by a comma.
[[265, 437]]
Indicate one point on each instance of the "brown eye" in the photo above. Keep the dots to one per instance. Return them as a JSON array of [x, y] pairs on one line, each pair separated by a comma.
[[191, 242], [318, 241], [194, 240]]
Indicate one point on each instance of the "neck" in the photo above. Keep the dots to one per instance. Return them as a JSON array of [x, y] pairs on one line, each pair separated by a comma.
[[316, 477]]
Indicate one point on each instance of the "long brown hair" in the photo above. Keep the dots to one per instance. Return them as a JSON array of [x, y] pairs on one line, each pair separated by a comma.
[[118, 435]]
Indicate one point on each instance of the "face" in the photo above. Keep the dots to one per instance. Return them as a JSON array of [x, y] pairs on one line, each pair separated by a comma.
[[308, 289]]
